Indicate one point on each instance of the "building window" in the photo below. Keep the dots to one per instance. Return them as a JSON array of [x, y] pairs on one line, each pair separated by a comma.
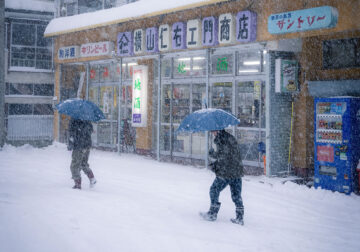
[[29, 109], [89, 6], [341, 53], [29, 49], [29, 89], [20, 109]]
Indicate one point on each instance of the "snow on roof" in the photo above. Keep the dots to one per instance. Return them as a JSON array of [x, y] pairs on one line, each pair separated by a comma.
[[32, 5], [124, 13]]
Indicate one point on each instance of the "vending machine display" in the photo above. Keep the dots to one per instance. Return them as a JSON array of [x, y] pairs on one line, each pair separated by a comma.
[[337, 143]]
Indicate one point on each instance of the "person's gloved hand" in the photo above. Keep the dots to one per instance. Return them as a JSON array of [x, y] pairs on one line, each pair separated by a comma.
[[211, 151], [70, 145]]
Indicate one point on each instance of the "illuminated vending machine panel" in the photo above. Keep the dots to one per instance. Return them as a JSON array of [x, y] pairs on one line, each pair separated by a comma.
[[337, 145]]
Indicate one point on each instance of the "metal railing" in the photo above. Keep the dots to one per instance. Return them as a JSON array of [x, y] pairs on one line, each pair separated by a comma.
[[30, 127]]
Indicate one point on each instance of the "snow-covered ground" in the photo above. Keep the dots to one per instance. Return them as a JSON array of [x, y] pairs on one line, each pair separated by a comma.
[[140, 204]]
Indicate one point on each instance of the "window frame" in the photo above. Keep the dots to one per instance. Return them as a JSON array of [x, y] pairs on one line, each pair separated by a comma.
[[34, 47]]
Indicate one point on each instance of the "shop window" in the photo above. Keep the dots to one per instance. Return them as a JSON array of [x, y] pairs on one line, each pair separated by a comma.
[[29, 48], [166, 104], [199, 66], [107, 101], [94, 95], [105, 72], [248, 141], [341, 53], [248, 101], [180, 102], [189, 66], [222, 96], [94, 74], [182, 67], [127, 70], [198, 141], [249, 63], [222, 64], [198, 97], [165, 68]]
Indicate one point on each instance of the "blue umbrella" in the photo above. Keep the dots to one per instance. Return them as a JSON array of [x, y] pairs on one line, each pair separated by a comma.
[[207, 120], [80, 109]]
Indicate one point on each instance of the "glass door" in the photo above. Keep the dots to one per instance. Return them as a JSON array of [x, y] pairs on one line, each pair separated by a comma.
[[250, 109]]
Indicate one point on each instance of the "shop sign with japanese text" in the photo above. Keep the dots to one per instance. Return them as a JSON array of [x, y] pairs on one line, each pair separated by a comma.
[[179, 35], [152, 40], [70, 52], [96, 49], [139, 41], [139, 99], [193, 33], [226, 28], [303, 20], [164, 38], [210, 31], [125, 44], [246, 25]]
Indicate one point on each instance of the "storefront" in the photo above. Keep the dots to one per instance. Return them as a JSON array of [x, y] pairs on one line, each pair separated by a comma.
[[222, 54]]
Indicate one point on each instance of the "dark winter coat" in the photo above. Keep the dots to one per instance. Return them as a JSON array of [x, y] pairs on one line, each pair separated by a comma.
[[228, 162], [80, 134]]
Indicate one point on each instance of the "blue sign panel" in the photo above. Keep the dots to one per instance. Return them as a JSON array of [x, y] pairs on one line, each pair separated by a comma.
[[303, 20], [125, 44]]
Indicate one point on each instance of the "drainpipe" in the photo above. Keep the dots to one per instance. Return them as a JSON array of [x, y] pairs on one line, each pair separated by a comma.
[[2, 73]]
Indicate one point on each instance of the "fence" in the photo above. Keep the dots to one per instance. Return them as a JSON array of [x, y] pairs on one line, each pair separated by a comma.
[[30, 127]]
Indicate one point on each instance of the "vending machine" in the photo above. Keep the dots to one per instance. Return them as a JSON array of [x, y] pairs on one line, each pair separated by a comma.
[[337, 143]]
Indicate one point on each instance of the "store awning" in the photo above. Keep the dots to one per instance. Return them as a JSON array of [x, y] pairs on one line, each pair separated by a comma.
[[125, 13], [334, 88]]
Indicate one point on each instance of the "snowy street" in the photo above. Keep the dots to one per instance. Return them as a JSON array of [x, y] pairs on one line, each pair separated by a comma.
[[140, 204]]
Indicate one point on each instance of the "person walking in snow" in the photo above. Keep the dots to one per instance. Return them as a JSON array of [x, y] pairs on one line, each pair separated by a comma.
[[228, 169], [80, 144]]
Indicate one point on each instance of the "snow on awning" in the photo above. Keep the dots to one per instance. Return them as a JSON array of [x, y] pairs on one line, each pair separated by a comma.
[[134, 11]]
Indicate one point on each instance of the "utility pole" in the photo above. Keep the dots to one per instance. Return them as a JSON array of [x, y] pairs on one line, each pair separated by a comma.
[[2, 73]]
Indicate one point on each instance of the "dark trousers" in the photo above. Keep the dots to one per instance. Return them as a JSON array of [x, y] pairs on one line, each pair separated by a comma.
[[235, 187], [79, 162]]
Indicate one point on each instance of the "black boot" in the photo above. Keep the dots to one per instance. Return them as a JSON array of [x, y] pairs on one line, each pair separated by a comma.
[[239, 216], [211, 215], [77, 184]]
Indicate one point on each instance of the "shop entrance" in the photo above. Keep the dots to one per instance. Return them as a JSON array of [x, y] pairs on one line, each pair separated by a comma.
[[237, 85]]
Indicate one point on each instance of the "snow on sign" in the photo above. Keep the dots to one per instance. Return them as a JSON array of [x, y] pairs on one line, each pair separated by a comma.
[[70, 52], [303, 20], [96, 49], [139, 99]]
